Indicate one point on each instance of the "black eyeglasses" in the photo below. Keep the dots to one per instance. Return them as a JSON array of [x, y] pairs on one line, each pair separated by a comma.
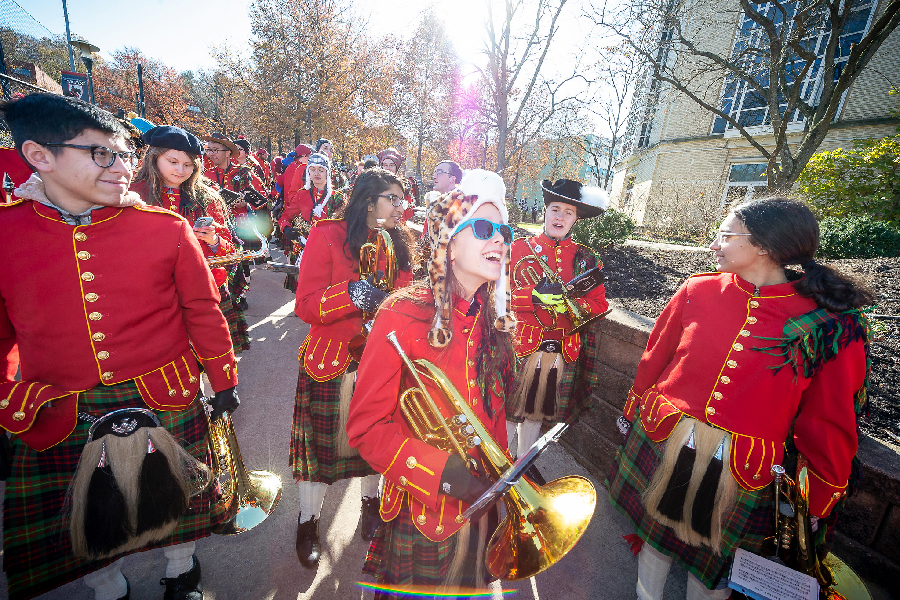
[[396, 201], [484, 230], [440, 171], [102, 156]]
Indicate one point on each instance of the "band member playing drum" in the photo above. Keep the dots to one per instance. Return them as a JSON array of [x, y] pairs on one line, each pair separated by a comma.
[[170, 176], [462, 323], [740, 365], [100, 320], [546, 344], [333, 299]]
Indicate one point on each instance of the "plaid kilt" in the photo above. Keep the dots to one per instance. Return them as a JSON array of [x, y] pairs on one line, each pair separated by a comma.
[[400, 555], [237, 322], [314, 434], [37, 550], [745, 526], [238, 283]]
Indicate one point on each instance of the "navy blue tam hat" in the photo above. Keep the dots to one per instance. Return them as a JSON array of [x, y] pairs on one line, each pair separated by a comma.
[[175, 138]]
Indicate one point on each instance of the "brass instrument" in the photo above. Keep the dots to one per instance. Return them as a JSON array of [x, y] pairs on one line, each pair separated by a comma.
[[248, 497], [369, 256], [793, 539], [240, 255], [529, 276], [542, 523]]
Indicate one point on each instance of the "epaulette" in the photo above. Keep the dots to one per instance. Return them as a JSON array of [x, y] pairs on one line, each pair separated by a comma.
[[324, 221], [159, 210], [709, 274]]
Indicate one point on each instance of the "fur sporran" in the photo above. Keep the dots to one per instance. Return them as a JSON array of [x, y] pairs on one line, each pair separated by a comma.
[[535, 395], [133, 483], [693, 488]]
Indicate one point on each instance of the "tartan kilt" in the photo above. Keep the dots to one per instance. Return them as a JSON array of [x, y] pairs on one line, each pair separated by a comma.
[[237, 281], [746, 526], [314, 434], [37, 553], [400, 555], [237, 322]]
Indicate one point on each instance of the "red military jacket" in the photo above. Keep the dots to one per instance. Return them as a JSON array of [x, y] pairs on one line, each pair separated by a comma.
[[376, 426], [171, 200], [225, 180], [300, 203], [96, 303], [324, 302], [700, 362], [537, 323], [294, 180]]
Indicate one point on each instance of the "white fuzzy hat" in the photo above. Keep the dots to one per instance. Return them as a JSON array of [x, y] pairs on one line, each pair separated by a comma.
[[446, 217]]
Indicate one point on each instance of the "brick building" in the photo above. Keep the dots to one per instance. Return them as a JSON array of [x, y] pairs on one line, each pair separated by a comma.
[[682, 165]]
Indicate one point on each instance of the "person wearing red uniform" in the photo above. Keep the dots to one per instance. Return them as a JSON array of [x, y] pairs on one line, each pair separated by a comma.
[[545, 345], [392, 160], [314, 202], [170, 176], [333, 300], [98, 320], [463, 324], [740, 366], [295, 174], [229, 176]]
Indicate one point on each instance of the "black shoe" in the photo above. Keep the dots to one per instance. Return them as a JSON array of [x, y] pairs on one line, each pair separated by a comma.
[[241, 304], [307, 545], [371, 519], [186, 586], [127, 595]]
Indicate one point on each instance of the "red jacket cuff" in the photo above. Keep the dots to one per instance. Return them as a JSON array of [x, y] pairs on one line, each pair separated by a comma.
[[823, 495], [336, 303], [417, 469], [521, 300], [632, 402], [221, 370]]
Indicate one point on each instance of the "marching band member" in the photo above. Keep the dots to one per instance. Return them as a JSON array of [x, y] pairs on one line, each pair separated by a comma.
[[295, 173], [544, 346], [222, 152], [392, 160], [170, 177], [332, 299], [463, 324], [100, 320], [740, 364], [316, 200]]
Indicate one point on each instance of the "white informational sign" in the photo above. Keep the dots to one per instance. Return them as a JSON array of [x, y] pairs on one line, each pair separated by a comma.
[[762, 579]]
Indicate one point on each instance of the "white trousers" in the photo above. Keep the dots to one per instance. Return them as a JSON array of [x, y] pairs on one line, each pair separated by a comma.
[[653, 569], [312, 495]]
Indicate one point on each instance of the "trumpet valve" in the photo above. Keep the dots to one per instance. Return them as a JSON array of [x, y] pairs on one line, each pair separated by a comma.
[[459, 420], [473, 441]]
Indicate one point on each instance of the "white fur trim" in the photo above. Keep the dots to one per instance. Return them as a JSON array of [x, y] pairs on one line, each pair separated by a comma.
[[595, 196]]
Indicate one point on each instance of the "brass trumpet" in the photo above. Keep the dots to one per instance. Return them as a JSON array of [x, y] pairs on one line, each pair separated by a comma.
[[379, 244], [529, 276], [542, 523], [247, 497], [793, 541], [240, 255]]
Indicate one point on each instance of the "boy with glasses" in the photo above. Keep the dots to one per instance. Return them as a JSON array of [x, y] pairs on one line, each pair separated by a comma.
[[546, 345], [98, 320]]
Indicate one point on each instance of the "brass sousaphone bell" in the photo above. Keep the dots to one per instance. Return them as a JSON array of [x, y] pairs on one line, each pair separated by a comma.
[[542, 523], [247, 497]]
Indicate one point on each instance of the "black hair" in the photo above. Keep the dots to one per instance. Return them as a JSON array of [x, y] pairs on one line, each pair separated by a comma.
[[54, 119], [370, 163], [368, 185], [455, 171], [789, 231]]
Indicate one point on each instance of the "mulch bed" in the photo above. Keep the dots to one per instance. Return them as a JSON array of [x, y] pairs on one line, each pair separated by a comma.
[[643, 280]]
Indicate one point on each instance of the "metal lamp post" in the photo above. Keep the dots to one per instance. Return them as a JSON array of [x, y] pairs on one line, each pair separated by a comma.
[[86, 49]]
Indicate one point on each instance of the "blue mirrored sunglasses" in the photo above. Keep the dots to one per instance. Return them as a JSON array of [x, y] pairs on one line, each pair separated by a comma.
[[484, 230]]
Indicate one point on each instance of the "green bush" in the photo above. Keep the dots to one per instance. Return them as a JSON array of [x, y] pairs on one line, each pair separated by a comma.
[[599, 233], [857, 237], [862, 181]]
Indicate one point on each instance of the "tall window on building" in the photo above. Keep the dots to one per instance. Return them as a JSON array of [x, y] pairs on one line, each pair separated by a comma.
[[750, 108], [743, 179]]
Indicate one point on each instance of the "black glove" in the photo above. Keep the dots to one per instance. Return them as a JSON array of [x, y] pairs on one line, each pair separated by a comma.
[[365, 296], [292, 234], [584, 283], [226, 400], [457, 481], [545, 287]]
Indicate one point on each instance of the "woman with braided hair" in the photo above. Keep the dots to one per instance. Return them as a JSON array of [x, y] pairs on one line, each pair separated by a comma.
[[740, 365]]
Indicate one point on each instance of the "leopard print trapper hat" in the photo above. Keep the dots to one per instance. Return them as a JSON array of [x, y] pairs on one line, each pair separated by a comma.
[[446, 216]]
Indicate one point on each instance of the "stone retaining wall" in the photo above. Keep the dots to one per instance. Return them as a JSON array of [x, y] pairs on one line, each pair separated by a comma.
[[868, 531]]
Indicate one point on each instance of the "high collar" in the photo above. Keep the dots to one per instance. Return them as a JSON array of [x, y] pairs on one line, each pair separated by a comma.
[[544, 239], [767, 291], [33, 189]]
